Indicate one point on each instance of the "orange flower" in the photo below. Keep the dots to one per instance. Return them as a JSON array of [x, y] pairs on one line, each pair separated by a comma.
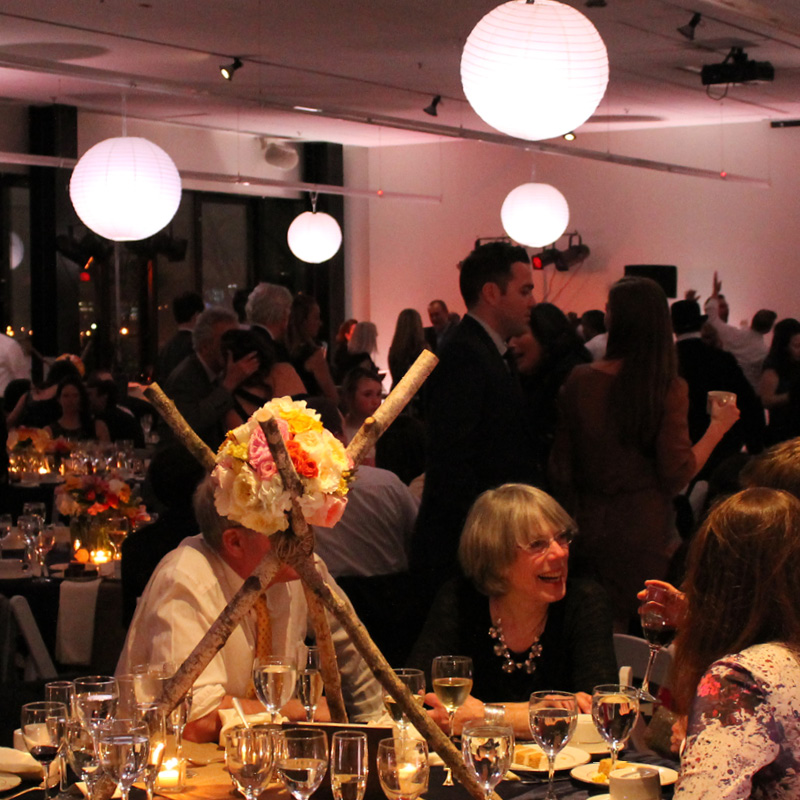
[[97, 508], [303, 463]]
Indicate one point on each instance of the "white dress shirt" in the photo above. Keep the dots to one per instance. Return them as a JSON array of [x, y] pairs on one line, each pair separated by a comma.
[[747, 346], [13, 362]]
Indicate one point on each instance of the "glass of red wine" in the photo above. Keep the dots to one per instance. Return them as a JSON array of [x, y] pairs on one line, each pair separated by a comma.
[[43, 726], [658, 630]]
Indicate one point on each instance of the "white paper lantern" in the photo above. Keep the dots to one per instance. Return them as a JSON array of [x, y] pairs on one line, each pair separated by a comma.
[[16, 250], [314, 237], [125, 189], [535, 214], [534, 70]]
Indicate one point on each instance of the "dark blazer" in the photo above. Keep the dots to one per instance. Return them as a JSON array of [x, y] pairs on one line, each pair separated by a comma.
[[478, 437], [172, 353], [275, 346]]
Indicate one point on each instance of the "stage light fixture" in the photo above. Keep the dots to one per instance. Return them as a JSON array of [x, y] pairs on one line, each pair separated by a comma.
[[573, 255], [737, 68], [431, 108], [689, 29], [227, 70]]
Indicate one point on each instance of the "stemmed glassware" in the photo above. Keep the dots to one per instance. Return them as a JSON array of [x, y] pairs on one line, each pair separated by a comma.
[[36, 508], [302, 760], [45, 542], [414, 679], [488, 751], [452, 682], [658, 630], [96, 699], [553, 716], [614, 711], [43, 725], [249, 756], [62, 692], [6, 524], [403, 768], [81, 754], [123, 747], [349, 766], [309, 683], [274, 679], [116, 531], [152, 716], [30, 525]]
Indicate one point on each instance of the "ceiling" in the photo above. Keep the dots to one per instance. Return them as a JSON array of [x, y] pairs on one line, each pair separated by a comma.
[[370, 67]]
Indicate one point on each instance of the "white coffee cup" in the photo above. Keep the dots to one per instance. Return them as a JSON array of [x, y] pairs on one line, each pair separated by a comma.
[[12, 568], [723, 398], [634, 783], [586, 731]]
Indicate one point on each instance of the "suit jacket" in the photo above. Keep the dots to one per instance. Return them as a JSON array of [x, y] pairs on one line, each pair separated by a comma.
[[478, 437], [172, 353], [273, 345]]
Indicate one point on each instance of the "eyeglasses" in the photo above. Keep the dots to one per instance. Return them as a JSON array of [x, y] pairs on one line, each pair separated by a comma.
[[538, 547]]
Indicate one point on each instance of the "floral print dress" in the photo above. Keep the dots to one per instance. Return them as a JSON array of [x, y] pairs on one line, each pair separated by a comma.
[[744, 728]]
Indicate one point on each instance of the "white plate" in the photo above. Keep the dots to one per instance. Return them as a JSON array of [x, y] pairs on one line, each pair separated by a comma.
[[9, 781], [585, 773], [593, 748], [568, 758]]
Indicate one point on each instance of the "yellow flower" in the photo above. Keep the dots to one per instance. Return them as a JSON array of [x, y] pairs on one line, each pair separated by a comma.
[[301, 421]]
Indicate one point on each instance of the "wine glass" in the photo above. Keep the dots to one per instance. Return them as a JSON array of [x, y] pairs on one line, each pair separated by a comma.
[[95, 701], [274, 678], [81, 754], [614, 711], [553, 717], [42, 726], [45, 542], [62, 692], [152, 716], [349, 766], [116, 531], [658, 630], [403, 768], [36, 508], [309, 683], [414, 679], [488, 751], [302, 760], [123, 748], [178, 718], [29, 526], [6, 524], [249, 757], [452, 682]]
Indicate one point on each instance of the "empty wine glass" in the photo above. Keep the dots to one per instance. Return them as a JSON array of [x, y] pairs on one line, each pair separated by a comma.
[[452, 682], [349, 766], [249, 757], [81, 754], [43, 725], [274, 679], [29, 526], [614, 711], [403, 768], [309, 683], [95, 701], [302, 760], [123, 747], [488, 751], [658, 630], [553, 717], [414, 679], [62, 692]]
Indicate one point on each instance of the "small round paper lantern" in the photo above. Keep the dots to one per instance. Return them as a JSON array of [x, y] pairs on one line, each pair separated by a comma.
[[125, 189], [314, 237], [535, 214], [534, 70], [16, 250]]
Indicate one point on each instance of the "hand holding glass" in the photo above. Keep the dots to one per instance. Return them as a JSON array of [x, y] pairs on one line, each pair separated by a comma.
[[452, 683], [657, 629], [553, 716]]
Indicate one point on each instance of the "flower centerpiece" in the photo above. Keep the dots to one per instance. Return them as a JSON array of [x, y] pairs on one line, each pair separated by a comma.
[[250, 490], [27, 449]]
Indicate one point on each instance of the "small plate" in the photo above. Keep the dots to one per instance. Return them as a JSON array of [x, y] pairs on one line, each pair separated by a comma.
[[593, 748], [9, 781], [586, 772], [568, 758]]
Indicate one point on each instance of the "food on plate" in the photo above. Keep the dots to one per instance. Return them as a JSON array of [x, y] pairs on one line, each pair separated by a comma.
[[604, 767], [533, 759]]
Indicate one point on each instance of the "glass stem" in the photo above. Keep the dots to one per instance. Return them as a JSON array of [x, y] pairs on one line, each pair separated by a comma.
[[452, 717], [310, 713], [650, 661], [62, 773], [551, 771]]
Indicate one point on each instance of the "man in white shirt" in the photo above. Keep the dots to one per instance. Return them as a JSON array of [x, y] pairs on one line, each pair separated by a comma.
[[189, 589], [13, 362]]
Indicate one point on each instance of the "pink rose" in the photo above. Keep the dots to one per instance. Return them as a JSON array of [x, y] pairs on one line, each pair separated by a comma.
[[260, 456], [329, 513]]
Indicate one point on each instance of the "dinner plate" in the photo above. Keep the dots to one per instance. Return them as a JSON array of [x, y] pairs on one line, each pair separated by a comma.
[[568, 758], [9, 781], [585, 772]]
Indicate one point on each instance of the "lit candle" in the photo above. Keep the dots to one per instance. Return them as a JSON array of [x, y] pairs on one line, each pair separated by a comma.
[[171, 776]]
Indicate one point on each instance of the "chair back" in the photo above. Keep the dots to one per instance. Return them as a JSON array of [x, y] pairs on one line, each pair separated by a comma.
[[7, 640], [633, 652], [38, 665]]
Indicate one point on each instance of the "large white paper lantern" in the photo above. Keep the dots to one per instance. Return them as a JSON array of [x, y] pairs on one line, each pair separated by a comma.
[[534, 70], [314, 237], [535, 214], [125, 189]]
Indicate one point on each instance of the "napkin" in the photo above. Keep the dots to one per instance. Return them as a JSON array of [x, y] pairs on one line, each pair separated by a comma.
[[19, 763], [75, 629], [230, 719]]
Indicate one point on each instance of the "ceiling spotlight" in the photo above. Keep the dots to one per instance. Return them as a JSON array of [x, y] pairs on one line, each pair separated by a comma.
[[570, 137], [227, 70], [431, 109], [688, 30], [573, 255], [737, 68]]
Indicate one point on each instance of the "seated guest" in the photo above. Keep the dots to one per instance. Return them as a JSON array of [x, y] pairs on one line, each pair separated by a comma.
[[121, 422], [307, 357], [186, 594], [362, 395], [173, 476], [736, 662], [38, 406], [524, 625], [76, 420]]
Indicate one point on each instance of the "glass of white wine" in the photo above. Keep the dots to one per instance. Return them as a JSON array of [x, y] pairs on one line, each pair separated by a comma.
[[302, 760], [123, 748], [349, 765], [414, 679], [403, 768], [452, 682], [249, 757], [274, 678], [614, 711], [488, 751], [553, 716], [309, 683]]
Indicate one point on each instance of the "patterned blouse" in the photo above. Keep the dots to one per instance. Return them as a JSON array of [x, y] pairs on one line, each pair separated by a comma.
[[744, 729]]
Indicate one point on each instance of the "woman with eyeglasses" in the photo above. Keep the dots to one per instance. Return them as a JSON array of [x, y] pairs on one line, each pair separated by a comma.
[[525, 626]]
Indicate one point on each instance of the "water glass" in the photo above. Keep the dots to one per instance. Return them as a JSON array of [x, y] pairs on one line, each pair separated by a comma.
[[414, 679], [249, 756], [553, 716], [614, 711], [123, 746], [81, 754], [309, 683], [488, 751], [274, 678], [349, 767], [152, 716], [62, 692], [95, 701], [403, 768], [302, 760]]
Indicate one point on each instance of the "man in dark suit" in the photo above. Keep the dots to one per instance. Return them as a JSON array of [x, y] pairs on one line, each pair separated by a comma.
[[440, 327], [267, 311], [478, 434], [186, 307]]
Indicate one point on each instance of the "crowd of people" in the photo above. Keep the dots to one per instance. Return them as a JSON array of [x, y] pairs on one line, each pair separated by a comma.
[[550, 467]]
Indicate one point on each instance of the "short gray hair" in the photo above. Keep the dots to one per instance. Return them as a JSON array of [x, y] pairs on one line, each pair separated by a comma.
[[268, 304], [203, 332], [211, 523], [499, 521], [364, 338]]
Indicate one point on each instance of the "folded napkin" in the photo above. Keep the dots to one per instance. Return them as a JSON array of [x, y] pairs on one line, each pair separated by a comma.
[[19, 763], [230, 719], [75, 629]]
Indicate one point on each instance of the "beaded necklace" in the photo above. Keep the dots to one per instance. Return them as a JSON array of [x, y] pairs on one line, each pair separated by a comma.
[[501, 648]]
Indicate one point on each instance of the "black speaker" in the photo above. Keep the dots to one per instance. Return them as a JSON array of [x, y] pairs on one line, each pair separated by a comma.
[[665, 276]]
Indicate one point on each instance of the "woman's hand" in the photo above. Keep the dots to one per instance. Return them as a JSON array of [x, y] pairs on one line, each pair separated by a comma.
[[584, 702], [472, 709], [674, 608], [724, 413]]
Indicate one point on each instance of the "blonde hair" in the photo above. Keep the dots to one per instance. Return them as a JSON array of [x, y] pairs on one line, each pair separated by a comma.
[[500, 520]]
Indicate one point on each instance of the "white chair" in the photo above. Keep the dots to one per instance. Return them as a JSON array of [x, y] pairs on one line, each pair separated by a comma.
[[633, 652], [38, 664]]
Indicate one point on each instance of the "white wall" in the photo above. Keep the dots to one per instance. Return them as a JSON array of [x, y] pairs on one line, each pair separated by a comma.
[[625, 215]]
